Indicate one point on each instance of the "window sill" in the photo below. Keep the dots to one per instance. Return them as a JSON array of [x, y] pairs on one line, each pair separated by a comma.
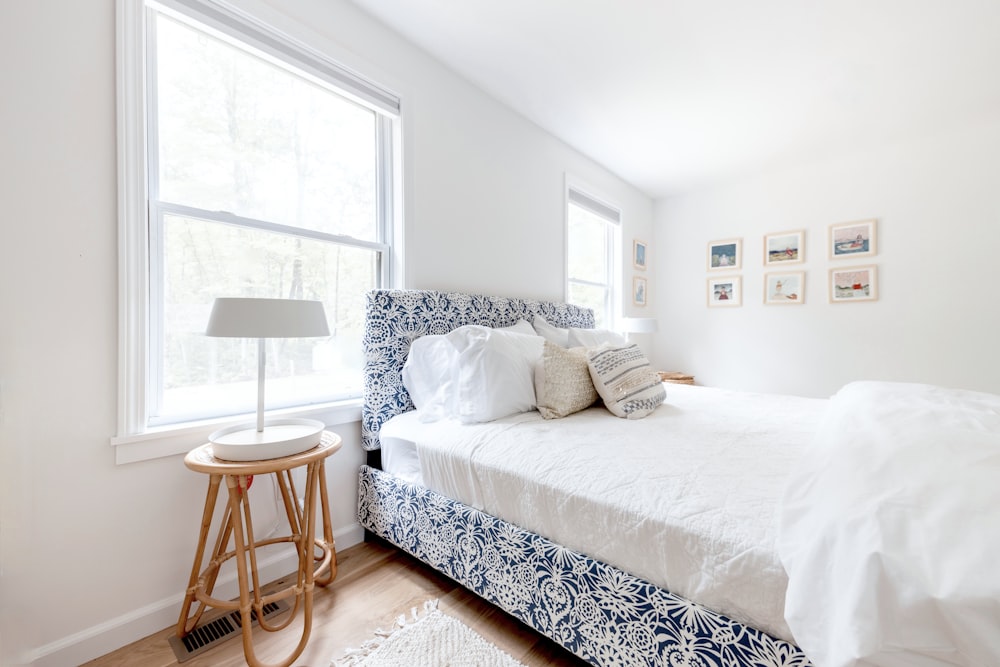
[[182, 438]]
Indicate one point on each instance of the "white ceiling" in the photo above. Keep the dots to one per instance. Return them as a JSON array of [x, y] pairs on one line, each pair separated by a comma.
[[673, 94]]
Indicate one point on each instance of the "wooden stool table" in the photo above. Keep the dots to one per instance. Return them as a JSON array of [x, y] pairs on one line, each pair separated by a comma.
[[317, 560]]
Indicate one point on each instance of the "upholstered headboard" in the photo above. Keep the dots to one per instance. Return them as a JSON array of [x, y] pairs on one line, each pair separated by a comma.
[[394, 318]]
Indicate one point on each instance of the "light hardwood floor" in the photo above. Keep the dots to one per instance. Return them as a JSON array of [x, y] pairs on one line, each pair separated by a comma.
[[375, 584]]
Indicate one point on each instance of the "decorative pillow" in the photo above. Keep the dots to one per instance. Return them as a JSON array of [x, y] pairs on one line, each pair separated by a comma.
[[594, 337], [562, 381], [429, 376], [495, 375], [623, 377], [550, 333]]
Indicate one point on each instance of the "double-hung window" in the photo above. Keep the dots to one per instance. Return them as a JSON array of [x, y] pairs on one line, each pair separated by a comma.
[[250, 166], [591, 248]]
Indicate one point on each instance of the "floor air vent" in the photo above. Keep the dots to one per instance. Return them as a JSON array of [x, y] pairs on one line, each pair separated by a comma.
[[212, 633]]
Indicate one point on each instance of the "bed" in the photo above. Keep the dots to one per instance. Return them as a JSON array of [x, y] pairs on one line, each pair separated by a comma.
[[613, 593]]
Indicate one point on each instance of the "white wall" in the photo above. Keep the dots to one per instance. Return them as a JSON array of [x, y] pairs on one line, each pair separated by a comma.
[[484, 188], [937, 317], [101, 551]]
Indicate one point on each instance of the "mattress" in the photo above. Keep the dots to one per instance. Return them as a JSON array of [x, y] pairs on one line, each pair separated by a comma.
[[686, 498]]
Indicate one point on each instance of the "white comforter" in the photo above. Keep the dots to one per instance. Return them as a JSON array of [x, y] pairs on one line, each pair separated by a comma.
[[686, 498], [890, 530]]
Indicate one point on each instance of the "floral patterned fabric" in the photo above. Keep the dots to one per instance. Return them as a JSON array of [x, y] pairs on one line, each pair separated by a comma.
[[598, 612], [394, 318]]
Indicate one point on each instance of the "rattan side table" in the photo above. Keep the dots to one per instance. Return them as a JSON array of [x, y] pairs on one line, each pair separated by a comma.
[[317, 560]]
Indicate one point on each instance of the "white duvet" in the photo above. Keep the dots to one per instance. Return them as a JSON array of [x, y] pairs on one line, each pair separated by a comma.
[[686, 498], [890, 530]]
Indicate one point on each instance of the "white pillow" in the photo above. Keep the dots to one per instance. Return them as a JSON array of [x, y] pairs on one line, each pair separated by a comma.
[[550, 333], [522, 327], [495, 375], [429, 376], [625, 380], [594, 337]]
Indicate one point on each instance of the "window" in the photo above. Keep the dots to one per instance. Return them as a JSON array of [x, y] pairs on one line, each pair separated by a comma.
[[259, 169], [592, 233]]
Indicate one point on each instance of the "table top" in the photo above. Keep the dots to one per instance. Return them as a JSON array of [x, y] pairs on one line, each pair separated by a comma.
[[201, 459]]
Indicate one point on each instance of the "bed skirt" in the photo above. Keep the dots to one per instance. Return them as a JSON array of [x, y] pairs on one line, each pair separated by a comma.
[[600, 613]]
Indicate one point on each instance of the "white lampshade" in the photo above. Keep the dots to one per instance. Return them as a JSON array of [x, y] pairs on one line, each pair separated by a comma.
[[638, 325], [266, 318], [260, 319]]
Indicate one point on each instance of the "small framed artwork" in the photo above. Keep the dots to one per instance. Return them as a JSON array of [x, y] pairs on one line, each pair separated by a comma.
[[853, 239], [784, 247], [726, 291], [785, 288], [639, 291], [853, 283], [639, 254], [725, 255]]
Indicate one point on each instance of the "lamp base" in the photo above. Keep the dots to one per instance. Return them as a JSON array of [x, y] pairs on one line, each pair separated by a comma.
[[280, 437]]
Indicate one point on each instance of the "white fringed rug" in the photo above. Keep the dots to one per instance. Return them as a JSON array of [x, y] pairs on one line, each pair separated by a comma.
[[431, 640]]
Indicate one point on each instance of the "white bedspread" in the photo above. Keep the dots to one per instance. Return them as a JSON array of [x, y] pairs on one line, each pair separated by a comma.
[[686, 498], [890, 530]]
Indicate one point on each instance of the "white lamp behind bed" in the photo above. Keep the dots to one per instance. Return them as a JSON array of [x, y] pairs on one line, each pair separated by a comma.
[[260, 319], [637, 325], [631, 325]]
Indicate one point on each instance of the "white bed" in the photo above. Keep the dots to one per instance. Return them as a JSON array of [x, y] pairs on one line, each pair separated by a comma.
[[723, 529], [659, 499]]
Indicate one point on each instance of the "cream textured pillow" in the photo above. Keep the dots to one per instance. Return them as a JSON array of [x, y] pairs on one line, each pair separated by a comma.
[[562, 381], [625, 380]]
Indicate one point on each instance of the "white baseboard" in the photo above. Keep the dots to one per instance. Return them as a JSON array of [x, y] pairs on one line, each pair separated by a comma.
[[114, 633]]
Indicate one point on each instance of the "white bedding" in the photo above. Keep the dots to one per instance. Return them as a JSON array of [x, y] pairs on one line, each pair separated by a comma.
[[890, 530], [686, 498]]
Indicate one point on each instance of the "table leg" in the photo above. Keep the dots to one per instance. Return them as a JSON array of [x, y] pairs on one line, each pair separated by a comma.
[[329, 545], [246, 548], [183, 626]]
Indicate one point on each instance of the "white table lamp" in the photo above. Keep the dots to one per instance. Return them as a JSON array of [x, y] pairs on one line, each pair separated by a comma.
[[261, 319], [631, 325]]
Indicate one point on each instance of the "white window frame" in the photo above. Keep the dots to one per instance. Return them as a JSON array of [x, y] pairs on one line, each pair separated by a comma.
[[135, 441], [585, 197]]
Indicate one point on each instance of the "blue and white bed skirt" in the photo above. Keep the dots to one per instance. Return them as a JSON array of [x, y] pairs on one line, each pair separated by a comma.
[[599, 613]]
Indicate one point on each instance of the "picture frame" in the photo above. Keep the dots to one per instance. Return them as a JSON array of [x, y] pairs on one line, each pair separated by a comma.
[[725, 291], [785, 288], [639, 254], [784, 247], [853, 239], [725, 255], [853, 283], [640, 291]]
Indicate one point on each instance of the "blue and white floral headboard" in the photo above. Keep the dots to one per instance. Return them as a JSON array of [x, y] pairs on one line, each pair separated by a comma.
[[394, 318]]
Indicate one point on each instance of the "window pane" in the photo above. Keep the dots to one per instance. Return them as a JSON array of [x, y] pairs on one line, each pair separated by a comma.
[[590, 296], [240, 134], [588, 253], [204, 260]]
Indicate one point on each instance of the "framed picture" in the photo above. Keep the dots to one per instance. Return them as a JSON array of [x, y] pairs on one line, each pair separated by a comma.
[[853, 239], [725, 291], [639, 255], [785, 288], [853, 283], [784, 247], [639, 291], [725, 255]]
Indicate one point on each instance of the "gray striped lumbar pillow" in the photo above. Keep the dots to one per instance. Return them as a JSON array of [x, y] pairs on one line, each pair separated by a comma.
[[626, 382]]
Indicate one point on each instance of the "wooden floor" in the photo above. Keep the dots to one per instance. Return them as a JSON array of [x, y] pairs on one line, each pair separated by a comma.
[[375, 584]]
